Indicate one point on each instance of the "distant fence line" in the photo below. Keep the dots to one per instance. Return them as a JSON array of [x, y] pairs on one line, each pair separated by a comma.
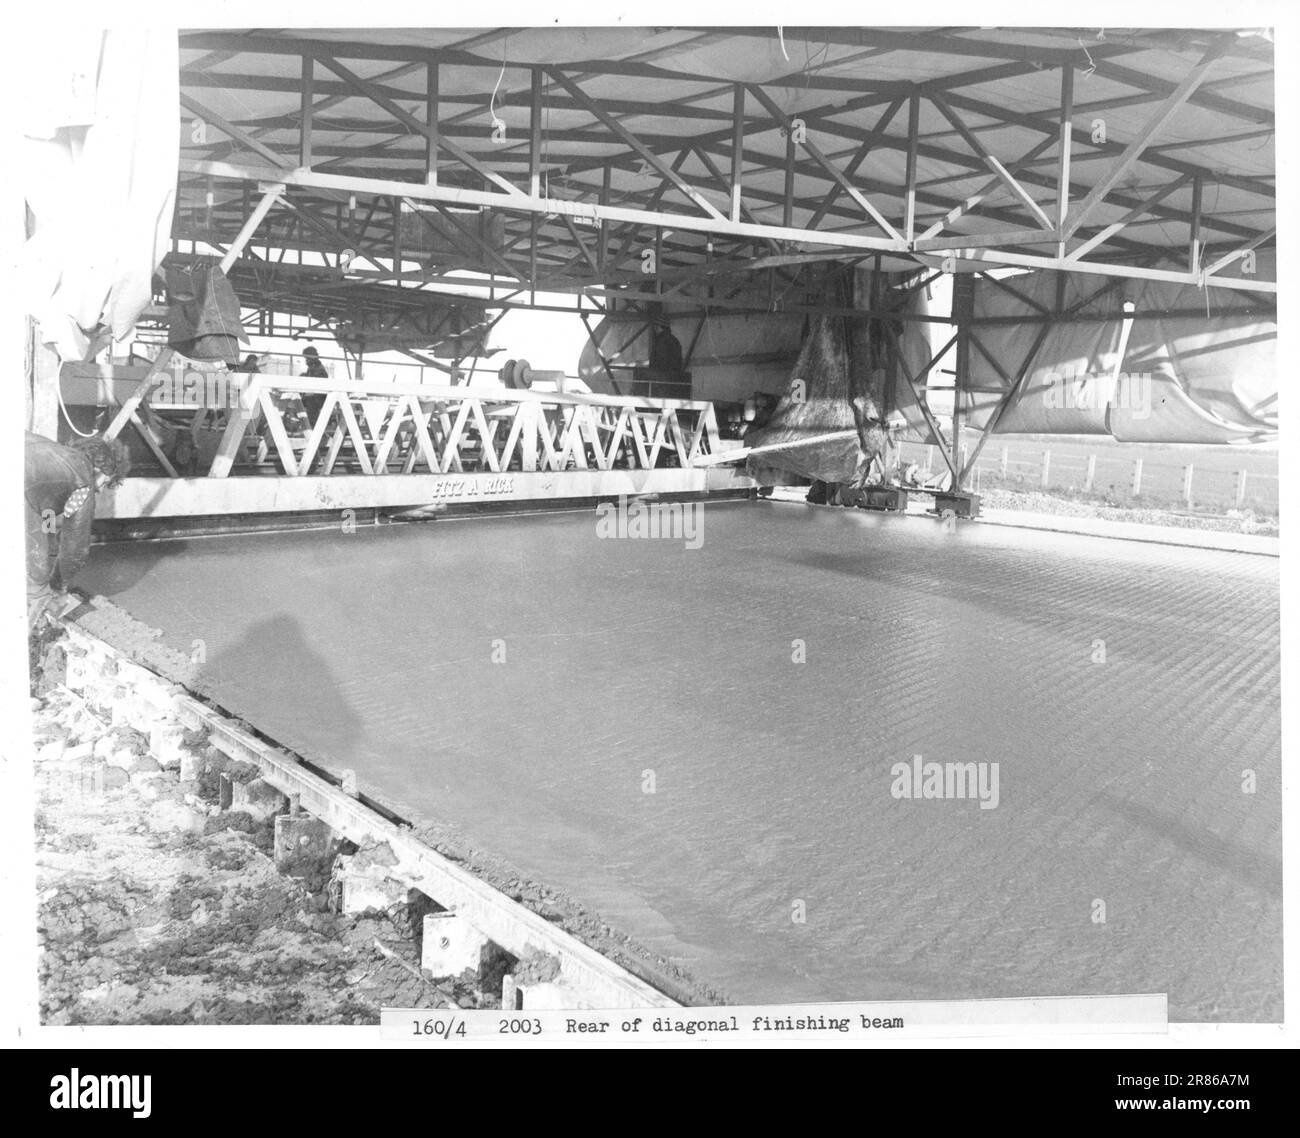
[[1136, 479]]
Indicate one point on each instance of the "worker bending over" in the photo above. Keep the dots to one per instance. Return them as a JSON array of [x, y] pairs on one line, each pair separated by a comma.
[[61, 483]]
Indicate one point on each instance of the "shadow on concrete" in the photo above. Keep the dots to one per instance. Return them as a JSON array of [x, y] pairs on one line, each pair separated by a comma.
[[272, 677], [114, 568], [1252, 867]]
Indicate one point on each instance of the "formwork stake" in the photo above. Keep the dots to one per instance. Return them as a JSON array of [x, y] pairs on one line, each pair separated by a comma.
[[1241, 488], [1187, 484], [1137, 477], [1047, 469], [1092, 473]]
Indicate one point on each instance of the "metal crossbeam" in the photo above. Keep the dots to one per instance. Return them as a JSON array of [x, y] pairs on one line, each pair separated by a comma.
[[1154, 125]]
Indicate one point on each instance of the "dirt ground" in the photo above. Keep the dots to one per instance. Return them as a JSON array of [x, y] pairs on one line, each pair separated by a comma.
[[158, 907], [1234, 521]]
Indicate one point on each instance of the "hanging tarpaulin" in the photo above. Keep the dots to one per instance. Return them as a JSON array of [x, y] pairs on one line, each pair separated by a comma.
[[624, 343], [203, 313], [838, 388], [1140, 361], [100, 150]]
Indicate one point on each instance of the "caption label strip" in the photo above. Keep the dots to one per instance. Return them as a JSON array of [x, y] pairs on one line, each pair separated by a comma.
[[875, 1022]]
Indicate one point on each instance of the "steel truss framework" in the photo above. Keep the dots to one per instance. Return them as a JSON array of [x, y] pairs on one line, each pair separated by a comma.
[[752, 187], [387, 165]]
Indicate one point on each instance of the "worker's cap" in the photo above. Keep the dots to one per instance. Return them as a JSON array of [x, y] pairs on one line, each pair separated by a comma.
[[310, 350]]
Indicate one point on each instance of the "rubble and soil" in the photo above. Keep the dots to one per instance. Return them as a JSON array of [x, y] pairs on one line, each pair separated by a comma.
[[156, 906], [1081, 506]]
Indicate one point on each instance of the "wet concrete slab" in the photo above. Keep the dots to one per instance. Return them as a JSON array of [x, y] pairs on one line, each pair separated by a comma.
[[532, 683]]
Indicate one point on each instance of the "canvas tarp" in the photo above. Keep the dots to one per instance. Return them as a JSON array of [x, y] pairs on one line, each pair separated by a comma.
[[100, 149], [839, 384], [1182, 379]]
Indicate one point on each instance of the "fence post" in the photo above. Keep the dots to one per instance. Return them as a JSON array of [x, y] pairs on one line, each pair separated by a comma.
[[1241, 488], [1047, 469], [1092, 473], [1002, 463], [1187, 485], [1137, 477]]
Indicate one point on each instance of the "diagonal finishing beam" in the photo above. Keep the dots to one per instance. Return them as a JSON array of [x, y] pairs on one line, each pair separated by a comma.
[[1153, 127], [643, 151], [817, 156], [1004, 175], [375, 95]]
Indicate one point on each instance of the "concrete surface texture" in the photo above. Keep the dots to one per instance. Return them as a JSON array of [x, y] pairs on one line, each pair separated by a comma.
[[708, 745]]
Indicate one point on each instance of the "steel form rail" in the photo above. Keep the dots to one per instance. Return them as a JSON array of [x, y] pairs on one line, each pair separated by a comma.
[[587, 978]]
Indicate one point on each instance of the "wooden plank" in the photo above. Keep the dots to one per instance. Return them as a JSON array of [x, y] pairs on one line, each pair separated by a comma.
[[1236, 254], [984, 190], [825, 163], [127, 411], [1003, 174], [1137, 211], [868, 144], [644, 152], [1154, 125], [909, 178], [589, 211], [228, 128], [737, 150], [305, 115], [433, 135], [431, 108], [1066, 145]]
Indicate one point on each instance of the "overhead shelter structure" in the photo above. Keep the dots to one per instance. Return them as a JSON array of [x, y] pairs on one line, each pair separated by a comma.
[[417, 183]]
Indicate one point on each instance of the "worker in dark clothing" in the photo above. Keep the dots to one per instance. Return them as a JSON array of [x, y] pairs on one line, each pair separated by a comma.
[[313, 401], [61, 483], [315, 369], [665, 350]]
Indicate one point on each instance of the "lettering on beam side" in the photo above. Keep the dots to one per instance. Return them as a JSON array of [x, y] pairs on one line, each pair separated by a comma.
[[446, 489]]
